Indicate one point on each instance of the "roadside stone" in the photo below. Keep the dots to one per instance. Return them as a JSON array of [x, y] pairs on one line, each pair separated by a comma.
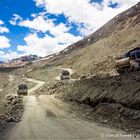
[[121, 110], [136, 117], [105, 121], [9, 97], [11, 119]]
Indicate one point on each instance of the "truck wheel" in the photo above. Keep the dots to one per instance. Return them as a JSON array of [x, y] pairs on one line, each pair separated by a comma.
[[132, 68], [120, 70], [127, 70]]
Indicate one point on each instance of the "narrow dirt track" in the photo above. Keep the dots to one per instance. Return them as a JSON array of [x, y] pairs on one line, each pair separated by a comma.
[[39, 84], [11, 78], [46, 118]]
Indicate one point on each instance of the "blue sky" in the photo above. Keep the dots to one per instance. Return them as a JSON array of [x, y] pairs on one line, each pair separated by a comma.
[[44, 27]]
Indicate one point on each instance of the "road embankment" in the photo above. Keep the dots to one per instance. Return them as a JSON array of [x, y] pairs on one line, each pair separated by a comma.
[[115, 99]]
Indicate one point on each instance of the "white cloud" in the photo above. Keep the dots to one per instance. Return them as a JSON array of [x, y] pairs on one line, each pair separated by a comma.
[[4, 42], [1, 53], [91, 15], [39, 2], [82, 11], [15, 19], [129, 3], [9, 55], [35, 45], [1, 22], [2, 28], [40, 24], [46, 45]]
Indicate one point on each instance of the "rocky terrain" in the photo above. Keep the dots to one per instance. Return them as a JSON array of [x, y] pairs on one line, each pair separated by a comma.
[[96, 54], [11, 109], [113, 101], [121, 22], [114, 98], [104, 94], [3, 80], [11, 105]]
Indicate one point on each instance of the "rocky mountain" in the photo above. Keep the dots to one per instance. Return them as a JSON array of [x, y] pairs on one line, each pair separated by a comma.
[[96, 53], [123, 21], [26, 58], [114, 98]]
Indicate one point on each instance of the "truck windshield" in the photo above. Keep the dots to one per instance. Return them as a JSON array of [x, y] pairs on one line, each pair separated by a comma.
[[22, 87], [65, 73], [132, 55], [138, 54]]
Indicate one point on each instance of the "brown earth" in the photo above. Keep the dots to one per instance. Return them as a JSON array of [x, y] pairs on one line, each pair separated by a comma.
[[114, 98], [3, 80], [95, 57], [11, 105], [96, 53], [113, 102]]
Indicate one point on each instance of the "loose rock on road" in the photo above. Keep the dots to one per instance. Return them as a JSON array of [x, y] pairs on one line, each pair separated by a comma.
[[47, 118]]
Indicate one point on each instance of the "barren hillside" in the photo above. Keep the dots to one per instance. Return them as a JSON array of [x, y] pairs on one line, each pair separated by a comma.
[[100, 49], [114, 98], [123, 21], [96, 53]]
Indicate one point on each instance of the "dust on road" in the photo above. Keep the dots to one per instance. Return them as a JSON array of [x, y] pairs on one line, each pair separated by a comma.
[[39, 84], [47, 118]]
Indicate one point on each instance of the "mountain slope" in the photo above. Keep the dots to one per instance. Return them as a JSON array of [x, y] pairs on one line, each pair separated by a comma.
[[123, 21], [114, 98], [96, 53]]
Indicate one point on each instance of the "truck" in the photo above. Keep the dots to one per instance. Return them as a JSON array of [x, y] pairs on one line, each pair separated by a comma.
[[65, 74], [22, 89], [129, 63]]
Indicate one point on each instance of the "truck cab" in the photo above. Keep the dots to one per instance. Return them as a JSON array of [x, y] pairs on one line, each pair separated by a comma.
[[65, 75], [130, 62], [135, 60], [22, 89]]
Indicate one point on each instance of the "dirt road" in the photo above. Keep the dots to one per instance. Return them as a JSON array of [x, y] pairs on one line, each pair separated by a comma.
[[39, 84], [11, 78], [46, 118]]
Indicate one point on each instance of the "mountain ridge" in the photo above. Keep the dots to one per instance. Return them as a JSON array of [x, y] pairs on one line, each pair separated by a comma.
[[109, 28]]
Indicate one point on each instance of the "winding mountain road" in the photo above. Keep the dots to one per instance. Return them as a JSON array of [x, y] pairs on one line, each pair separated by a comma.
[[48, 118], [38, 84]]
